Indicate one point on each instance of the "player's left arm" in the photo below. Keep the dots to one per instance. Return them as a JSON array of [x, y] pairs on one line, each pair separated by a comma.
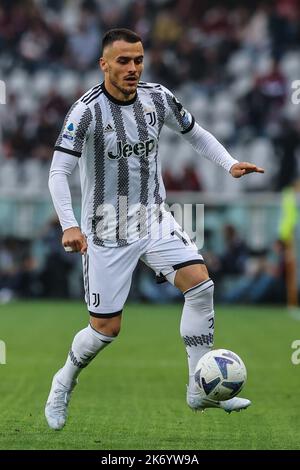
[[243, 168], [208, 146], [181, 120]]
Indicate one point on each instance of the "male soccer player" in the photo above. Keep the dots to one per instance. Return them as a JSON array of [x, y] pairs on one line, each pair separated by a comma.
[[112, 131]]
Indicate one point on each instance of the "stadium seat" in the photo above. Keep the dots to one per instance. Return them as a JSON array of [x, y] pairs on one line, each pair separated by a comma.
[[290, 65], [42, 82], [240, 64]]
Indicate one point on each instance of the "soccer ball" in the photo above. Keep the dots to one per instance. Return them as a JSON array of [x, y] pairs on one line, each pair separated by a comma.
[[220, 374]]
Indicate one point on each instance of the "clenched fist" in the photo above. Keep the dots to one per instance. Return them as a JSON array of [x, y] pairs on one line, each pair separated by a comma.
[[74, 239]]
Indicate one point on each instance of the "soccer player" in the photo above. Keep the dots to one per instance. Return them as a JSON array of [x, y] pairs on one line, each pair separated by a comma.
[[112, 132]]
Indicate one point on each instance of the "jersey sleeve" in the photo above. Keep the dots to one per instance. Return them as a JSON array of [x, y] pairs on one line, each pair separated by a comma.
[[177, 117], [62, 166], [209, 147], [75, 129]]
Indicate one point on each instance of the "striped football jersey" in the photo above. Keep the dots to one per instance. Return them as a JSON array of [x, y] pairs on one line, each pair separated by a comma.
[[117, 144]]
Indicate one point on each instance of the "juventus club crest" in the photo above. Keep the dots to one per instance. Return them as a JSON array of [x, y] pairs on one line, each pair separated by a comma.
[[96, 299], [151, 118]]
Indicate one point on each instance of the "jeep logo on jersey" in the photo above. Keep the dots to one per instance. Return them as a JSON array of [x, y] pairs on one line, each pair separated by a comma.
[[140, 149]]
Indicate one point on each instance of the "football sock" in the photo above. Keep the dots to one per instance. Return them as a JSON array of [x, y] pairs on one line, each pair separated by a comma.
[[197, 325], [86, 345]]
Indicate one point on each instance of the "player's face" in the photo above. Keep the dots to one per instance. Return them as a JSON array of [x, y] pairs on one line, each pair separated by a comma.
[[122, 64]]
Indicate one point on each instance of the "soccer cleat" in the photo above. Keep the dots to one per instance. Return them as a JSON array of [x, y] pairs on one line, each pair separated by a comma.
[[196, 401], [56, 409], [235, 404]]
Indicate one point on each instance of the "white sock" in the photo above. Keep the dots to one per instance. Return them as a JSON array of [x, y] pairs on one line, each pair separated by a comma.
[[197, 325], [86, 345]]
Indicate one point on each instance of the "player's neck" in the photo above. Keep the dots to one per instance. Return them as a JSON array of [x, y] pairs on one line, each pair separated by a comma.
[[117, 94]]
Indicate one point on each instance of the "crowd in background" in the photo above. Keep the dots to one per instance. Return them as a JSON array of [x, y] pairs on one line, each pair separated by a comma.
[[242, 274], [232, 64]]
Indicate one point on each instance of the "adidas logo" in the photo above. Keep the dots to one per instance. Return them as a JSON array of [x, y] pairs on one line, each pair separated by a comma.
[[109, 128]]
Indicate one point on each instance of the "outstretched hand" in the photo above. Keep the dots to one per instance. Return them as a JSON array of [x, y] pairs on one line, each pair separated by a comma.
[[243, 168]]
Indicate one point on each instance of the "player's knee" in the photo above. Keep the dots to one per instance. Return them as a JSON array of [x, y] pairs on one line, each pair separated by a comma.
[[201, 293], [110, 326]]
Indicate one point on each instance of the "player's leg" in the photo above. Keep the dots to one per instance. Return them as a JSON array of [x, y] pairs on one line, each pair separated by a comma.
[[196, 328], [197, 320], [176, 258], [173, 255], [86, 344], [107, 278]]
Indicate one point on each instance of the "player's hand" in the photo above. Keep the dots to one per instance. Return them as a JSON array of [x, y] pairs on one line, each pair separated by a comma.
[[243, 168], [74, 239]]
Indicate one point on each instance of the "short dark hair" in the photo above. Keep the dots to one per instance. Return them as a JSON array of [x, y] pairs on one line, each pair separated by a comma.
[[119, 34]]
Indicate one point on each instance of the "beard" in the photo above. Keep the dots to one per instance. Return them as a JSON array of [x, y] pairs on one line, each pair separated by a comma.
[[125, 91]]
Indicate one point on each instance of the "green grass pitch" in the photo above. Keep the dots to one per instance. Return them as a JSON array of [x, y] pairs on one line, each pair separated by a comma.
[[132, 396]]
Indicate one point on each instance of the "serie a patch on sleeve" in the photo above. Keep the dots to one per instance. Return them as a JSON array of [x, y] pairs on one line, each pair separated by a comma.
[[69, 132]]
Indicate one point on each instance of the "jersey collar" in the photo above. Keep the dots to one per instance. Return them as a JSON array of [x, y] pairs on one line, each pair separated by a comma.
[[114, 100]]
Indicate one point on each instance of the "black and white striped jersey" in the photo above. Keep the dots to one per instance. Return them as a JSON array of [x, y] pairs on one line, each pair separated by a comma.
[[117, 146]]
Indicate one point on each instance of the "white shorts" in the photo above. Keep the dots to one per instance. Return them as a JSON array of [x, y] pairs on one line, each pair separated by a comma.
[[107, 271]]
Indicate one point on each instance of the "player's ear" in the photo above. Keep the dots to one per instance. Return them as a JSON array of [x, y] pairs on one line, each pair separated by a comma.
[[103, 64]]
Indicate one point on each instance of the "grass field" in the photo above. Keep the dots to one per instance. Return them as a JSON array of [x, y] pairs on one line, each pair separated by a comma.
[[133, 395]]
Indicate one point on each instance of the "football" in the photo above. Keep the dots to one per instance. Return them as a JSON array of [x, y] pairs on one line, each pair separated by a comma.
[[220, 374]]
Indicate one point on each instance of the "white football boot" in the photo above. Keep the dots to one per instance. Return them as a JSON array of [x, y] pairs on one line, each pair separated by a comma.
[[197, 402], [56, 410]]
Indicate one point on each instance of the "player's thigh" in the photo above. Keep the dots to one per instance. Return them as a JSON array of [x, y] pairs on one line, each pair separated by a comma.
[[107, 274], [176, 258]]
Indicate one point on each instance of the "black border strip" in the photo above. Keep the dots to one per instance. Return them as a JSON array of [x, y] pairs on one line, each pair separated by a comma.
[[102, 334], [92, 98], [70, 152], [148, 86], [199, 285], [114, 100], [188, 263], [190, 126], [88, 280], [84, 277], [105, 315], [88, 94]]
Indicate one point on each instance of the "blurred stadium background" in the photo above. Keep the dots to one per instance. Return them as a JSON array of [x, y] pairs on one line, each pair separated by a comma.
[[231, 63]]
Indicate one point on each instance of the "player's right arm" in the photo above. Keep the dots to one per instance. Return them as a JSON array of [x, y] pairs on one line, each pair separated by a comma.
[[62, 166], [68, 149]]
